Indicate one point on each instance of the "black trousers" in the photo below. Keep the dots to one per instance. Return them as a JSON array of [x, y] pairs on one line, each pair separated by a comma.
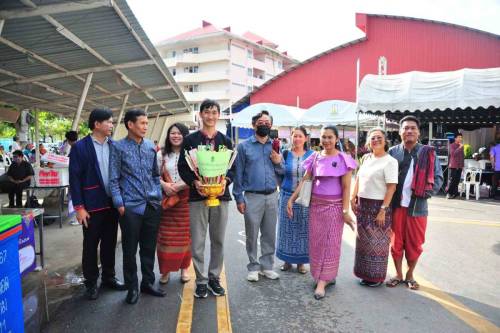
[[16, 191], [494, 183], [139, 230], [454, 181], [101, 232]]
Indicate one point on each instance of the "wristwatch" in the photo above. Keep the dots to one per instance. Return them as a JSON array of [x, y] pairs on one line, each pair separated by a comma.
[[383, 208], [345, 211]]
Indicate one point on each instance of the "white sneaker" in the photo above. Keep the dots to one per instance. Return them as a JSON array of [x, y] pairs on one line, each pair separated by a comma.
[[270, 274], [253, 276]]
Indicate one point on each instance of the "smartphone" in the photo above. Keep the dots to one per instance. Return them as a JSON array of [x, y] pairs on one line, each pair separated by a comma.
[[276, 145]]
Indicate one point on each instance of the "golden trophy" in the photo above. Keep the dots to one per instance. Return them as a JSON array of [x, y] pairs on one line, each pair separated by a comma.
[[212, 191]]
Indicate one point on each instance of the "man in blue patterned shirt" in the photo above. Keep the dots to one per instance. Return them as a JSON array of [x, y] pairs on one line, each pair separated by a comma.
[[135, 188]]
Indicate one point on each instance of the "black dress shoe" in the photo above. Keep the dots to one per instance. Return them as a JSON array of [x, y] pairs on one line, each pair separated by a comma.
[[132, 296], [151, 290], [92, 292], [113, 283]]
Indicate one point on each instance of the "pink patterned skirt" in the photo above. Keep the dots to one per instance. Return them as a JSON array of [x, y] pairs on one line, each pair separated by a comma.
[[326, 224]]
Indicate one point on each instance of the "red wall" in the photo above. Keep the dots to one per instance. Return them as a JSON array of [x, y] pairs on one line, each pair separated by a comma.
[[407, 44]]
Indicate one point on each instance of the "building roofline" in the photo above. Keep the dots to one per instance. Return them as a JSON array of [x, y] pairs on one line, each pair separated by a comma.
[[454, 25], [359, 16]]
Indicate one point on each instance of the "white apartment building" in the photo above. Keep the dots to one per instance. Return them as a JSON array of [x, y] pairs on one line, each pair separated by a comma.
[[214, 63]]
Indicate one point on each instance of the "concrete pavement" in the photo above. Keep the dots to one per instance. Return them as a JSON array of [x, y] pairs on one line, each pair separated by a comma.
[[458, 270]]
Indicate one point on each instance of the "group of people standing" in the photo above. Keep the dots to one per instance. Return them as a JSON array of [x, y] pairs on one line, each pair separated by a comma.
[[158, 202], [389, 199]]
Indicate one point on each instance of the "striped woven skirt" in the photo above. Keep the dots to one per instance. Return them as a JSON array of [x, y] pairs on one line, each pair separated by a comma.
[[293, 234], [174, 238], [372, 242], [326, 224]]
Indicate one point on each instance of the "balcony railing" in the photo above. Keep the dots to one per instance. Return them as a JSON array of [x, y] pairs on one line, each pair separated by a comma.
[[202, 95], [202, 77], [197, 58]]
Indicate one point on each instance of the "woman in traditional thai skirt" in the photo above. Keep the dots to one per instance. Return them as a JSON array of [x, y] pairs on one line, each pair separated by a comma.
[[375, 184], [331, 171], [174, 238], [293, 239]]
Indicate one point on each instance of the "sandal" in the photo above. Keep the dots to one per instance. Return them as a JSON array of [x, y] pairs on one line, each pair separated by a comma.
[[393, 282], [301, 269], [164, 278], [412, 284], [285, 267]]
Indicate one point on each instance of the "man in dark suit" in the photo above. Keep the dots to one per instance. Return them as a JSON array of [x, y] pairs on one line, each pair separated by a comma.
[[89, 188]]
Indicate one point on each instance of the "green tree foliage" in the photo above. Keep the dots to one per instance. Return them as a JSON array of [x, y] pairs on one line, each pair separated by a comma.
[[7, 130], [51, 126]]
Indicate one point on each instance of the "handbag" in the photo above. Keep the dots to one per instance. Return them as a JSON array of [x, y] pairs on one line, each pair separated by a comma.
[[304, 197], [168, 201]]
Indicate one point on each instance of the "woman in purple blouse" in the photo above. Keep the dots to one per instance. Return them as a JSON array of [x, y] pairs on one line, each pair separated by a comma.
[[331, 171]]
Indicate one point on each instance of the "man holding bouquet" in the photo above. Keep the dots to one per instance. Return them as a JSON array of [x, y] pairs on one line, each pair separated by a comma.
[[202, 216]]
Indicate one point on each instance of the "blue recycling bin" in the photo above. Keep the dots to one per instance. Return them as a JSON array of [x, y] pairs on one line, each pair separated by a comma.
[[11, 301]]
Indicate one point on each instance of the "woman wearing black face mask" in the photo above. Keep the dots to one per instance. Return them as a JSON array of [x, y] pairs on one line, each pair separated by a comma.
[[258, 168]]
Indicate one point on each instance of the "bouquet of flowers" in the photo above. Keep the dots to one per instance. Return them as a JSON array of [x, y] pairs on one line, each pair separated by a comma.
[[210, 167]]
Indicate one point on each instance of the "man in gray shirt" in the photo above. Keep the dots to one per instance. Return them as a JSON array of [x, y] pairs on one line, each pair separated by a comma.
[[258, 167]]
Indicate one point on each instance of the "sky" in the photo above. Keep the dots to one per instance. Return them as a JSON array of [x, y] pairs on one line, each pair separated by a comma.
[[304, 28]]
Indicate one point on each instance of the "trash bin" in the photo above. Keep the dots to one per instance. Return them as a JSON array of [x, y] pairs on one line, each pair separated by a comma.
[[11, 302]]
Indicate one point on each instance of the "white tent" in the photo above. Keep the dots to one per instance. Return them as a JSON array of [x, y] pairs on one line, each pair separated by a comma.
[[335, 112], [282, 115], [420, 91]]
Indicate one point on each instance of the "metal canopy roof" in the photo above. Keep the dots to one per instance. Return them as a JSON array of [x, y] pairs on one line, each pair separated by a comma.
[[49, 49]]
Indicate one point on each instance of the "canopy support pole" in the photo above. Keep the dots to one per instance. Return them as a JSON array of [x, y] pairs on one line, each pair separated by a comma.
[[74, 126], [430, 130], [120, 115], [357, 109], [384, 124], [164, 128], [236, 135], [154, 126], [37, 140]]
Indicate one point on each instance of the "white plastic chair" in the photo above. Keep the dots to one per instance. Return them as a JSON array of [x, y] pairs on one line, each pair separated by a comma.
[[472, 177]]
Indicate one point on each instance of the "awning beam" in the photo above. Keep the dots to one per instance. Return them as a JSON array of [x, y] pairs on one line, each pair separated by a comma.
[[76, 72], [53, 9]]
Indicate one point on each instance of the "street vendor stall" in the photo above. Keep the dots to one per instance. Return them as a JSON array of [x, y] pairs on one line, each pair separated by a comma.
[[462, 99]]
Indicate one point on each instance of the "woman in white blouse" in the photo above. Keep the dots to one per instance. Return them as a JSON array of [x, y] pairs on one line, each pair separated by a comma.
[[174, 237], [375, 184]]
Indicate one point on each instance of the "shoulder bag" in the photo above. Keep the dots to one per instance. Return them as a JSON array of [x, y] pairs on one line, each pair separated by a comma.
[[304, 197], [167, 201]]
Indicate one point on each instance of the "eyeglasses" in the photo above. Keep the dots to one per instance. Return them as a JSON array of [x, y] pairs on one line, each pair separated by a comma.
[[376, 138]]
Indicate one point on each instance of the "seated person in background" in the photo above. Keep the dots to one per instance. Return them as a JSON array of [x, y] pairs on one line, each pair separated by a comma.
[[19, 178]]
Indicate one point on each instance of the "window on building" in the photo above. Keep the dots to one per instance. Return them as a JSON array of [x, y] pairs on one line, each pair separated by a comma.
[[249, 89], [174, 54], [249, 53], [250, 71], [280, 65], [174, 71], [195, 106], [191, 88], [191, 69], [191, 50]]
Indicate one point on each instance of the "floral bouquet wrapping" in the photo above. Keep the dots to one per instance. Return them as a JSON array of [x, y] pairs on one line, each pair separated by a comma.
[[210, 167]]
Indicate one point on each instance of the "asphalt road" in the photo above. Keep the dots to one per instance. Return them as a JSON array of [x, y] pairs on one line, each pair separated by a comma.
[[459, 272]]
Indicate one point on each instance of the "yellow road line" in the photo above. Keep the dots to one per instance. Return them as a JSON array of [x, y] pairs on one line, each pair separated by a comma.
[[485, 223], [427, 289], [185, 318], [223, 315], [471, 318]]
